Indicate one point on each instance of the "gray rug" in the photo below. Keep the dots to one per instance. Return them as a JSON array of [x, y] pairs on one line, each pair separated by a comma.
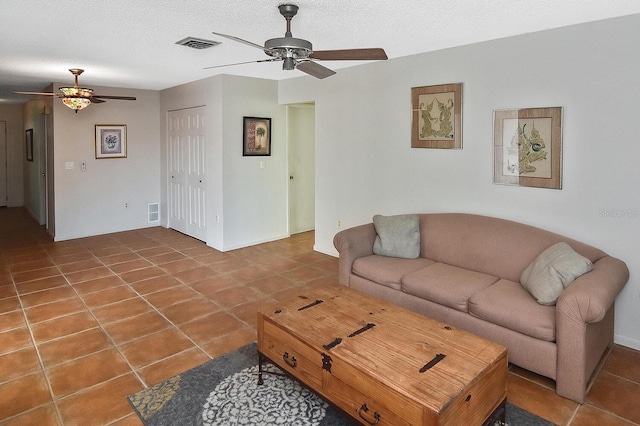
[[224, 391]]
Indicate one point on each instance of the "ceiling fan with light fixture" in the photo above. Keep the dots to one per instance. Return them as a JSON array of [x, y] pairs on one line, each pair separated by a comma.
[[77, 97], [298, 54]]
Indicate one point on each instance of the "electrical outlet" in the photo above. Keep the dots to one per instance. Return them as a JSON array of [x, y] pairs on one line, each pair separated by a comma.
[[126, 205], [339, 224]]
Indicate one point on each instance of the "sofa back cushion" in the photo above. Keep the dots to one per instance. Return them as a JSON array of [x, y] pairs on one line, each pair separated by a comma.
[[489, 245]]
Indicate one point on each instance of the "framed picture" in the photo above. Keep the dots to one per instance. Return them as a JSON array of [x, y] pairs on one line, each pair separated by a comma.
[[436, 113], [28, 138], [256, 136], [111, 141], [528, 147]]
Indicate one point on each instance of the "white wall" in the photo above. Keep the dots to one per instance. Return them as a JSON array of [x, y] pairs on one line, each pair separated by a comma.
[[12, 114], [365, 166], [92, 202], [250, 201]]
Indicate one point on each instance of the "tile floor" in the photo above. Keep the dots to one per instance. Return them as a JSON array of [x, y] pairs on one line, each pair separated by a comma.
[[85, 322]]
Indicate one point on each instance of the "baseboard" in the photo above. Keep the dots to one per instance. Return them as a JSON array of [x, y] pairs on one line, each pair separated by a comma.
[[626, 341]]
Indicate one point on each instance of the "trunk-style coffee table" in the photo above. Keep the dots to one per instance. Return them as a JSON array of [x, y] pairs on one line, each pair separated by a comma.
[[383, 364]]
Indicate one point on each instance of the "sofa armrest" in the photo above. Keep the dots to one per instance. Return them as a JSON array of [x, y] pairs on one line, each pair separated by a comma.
[[351, 244], [588, 298]]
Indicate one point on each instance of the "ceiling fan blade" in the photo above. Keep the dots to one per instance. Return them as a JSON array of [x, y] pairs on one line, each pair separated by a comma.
[[37, 93], [314, 69], [242, 63], [122, 98], [97, 101], [247, 42], [372, 54]]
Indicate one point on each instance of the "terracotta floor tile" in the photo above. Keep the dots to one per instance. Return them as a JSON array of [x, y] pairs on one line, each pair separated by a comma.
[[249, 273], [23, 394], [189, 310], [82, 265], [180, 265], [18, 363], [270, 284], [154, 251], [234, 296], [170, 296], [41, 284], [212, 257], [591, 416], [195, 274], [229, 264], [74, 346], [88, 274], [211, 326], [102, 404], [152, 285], [72, 258], [87, 371], [155, 347], [107, 254], [305, 273], [142, 274], [210, 286], [41, 263], [116, 259], [135, 327], [62, 326], [617, 395], [166, 257], [176, 364], [130, 265], [11, 320], [121, 310], [98, 284], [624, 362], [539, 400], [108, 296], [47, 296], [55, 309], [232, 341], [35, 274], [248, 312], [9, 304], [15, 339], [44, 415], [7, 291]]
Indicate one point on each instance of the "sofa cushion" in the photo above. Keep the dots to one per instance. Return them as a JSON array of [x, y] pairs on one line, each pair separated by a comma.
[[446, 285], [398, 236], [387, 271], [508, 304], [552, 271]]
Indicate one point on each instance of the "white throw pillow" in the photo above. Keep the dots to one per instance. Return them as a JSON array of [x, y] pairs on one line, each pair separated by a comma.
[[398, 236], [552, 271]]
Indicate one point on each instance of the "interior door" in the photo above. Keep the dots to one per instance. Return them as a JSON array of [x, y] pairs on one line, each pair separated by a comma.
[[187, 173], [3, 163], [301, 157]]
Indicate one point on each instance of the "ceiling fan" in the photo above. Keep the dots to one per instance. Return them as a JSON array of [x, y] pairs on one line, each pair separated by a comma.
[[297, 53], [77, 97]]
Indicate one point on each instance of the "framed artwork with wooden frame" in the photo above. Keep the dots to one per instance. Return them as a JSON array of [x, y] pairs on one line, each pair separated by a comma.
[[528, 147], [111, 141], [436, 113], [28, 138], [256, 136]]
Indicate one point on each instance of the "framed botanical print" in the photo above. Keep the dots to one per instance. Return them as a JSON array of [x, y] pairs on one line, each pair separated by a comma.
[[256, 136], [111, 141]]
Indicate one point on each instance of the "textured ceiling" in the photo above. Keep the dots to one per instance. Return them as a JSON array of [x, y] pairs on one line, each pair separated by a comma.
[[131, 43]]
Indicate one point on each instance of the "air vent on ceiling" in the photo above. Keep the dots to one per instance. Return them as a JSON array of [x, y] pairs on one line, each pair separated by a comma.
[[197, 43]]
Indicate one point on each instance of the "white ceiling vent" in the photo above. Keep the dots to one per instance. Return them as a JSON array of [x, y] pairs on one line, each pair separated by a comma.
[[197, 43]]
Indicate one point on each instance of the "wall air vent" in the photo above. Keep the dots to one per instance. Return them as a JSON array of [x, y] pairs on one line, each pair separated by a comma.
[[197, 43]]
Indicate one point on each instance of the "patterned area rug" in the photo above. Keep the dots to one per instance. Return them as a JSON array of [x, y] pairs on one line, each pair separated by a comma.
[[224, 391]]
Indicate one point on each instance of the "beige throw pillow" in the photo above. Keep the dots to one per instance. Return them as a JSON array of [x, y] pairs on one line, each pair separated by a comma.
[[552, 271], [398, 236]]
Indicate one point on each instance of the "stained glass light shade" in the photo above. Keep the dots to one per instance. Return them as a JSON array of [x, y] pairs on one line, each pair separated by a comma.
[[76, 98]]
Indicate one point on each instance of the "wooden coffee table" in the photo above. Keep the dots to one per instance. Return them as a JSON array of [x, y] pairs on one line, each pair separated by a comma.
[[383, 364]]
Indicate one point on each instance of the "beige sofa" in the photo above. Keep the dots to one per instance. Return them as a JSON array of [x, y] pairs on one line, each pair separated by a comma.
[[467, 275]]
